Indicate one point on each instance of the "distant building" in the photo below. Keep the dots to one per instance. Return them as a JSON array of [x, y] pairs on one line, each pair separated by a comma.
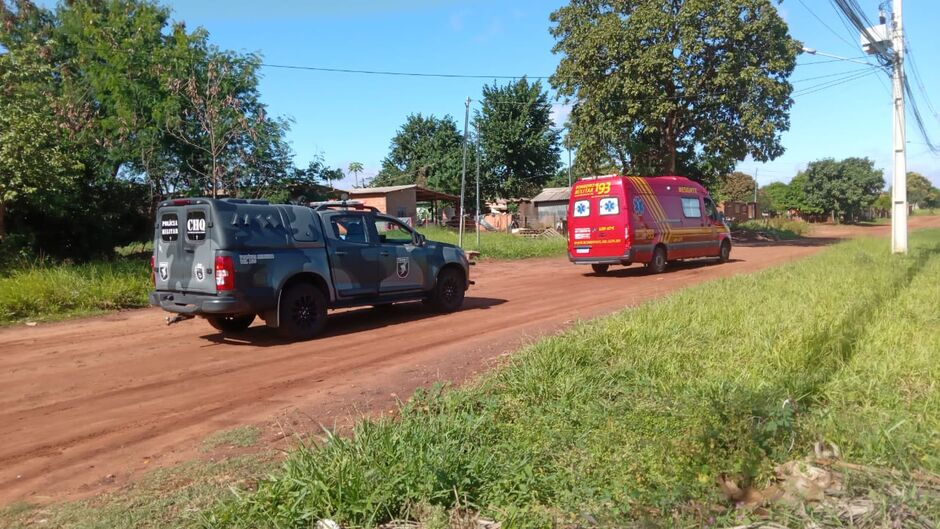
[[551, 206], [402, 201]]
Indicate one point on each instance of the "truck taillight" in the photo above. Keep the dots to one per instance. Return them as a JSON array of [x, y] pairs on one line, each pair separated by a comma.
[[224, 272], [153, 270]]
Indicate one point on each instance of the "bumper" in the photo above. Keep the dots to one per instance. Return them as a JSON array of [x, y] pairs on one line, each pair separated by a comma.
[[198, 303], [627, 258]]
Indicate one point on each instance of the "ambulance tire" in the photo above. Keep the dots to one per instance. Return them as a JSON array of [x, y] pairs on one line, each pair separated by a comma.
[[724, 254], [600, 268], [302, 312], [235, 323], [657, 264]]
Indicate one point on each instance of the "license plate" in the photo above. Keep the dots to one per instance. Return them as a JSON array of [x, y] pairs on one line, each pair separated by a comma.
[[582, 250]]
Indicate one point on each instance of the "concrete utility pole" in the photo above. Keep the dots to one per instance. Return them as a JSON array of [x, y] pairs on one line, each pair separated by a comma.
[[899, 178], [463, 176], [479, 217]]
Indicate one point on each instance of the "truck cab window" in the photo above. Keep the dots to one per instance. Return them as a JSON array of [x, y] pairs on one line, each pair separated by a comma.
[[392, 232], [350, 229]]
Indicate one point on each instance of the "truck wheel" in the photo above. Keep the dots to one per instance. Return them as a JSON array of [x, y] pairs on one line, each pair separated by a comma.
[[303, 312], [600, 268], [725, 253], [658, 263], [448, 292], [231, 323]]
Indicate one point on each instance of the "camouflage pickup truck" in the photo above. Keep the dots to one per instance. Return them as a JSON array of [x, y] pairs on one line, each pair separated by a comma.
[[230, 260]]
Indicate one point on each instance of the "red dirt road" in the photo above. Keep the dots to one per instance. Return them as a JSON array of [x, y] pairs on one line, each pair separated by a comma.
[[90, 404]]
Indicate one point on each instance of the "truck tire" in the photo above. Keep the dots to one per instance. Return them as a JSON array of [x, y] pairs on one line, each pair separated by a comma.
[[657, 264], [600, 268], [448, 292], [235, 323], [724, 254], [302, 312]]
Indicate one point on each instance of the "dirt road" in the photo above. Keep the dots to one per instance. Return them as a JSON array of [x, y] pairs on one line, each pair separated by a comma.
[[88, 405]]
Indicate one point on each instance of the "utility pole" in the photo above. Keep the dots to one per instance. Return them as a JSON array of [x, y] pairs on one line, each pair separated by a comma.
[[463, 176], [569, 166], [899, 178], [479, 216]]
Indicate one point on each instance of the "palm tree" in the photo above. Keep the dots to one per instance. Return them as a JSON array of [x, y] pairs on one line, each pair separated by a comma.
[[355, 168]]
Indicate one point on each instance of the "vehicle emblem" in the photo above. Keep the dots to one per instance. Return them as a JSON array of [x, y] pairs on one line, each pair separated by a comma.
[[164, 271], [200, 272], [638, 206], [403, 265]]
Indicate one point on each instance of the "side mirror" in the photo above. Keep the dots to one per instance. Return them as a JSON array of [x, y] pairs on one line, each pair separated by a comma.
[[420, 240]]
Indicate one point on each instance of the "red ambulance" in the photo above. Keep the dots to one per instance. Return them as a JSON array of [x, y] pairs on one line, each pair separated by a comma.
[[629, 219]]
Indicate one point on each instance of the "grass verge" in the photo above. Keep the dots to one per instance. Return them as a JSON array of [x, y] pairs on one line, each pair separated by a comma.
[[779, 229], [54, 291], [632, 417], [498, 245], [165, 498]]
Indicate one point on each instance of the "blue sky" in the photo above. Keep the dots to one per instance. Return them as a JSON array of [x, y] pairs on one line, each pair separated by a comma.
[[349, 117]]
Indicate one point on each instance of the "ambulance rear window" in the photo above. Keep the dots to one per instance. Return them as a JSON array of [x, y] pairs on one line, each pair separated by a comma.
[[169, 227]]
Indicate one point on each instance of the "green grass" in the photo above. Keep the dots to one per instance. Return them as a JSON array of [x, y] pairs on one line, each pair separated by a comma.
[[777, 228], [165, 498], [241, 437], [498, 245], [632, 417], [39, 291]]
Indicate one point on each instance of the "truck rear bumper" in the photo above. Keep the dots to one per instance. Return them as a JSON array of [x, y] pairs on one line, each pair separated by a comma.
[[627, 258], [198, 303]]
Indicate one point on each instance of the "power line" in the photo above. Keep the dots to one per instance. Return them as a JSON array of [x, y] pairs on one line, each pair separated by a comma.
[[919, 80], [935, 149], [832, 83], [823, 22], [401, 74]]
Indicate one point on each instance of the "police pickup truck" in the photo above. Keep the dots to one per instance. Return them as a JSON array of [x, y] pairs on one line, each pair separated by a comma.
[[228, 260]]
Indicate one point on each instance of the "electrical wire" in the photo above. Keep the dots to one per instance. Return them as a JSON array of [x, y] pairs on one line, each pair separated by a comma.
[[909, 55], [918, 118], [832, 83], [823, 22]]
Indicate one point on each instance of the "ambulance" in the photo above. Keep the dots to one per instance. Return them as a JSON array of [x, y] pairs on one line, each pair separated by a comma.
[[621, 220]]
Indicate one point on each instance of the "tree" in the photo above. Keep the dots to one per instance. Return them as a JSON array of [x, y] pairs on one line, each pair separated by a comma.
[[520, 149], [355, 168], [738, 187], [221, 119], [918, 189], [687, 86], [427, 151], [34, 154], [778, 194], [842, 189]]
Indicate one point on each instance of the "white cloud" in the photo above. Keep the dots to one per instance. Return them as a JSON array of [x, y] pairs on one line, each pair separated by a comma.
[[560, 113]]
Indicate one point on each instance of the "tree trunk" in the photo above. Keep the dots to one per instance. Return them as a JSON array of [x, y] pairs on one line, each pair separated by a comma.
[[3, 225]]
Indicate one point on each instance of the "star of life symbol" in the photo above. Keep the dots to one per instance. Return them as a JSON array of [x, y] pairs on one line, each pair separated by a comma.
[[582, 208], [638, 205], [608, 206]]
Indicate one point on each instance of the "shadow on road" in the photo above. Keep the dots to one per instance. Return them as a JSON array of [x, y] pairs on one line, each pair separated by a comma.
[[351, 321], [673, 266], [801, 242]]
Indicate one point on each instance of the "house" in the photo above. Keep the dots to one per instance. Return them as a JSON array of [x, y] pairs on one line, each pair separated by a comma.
[[551, 206], [402, 201]]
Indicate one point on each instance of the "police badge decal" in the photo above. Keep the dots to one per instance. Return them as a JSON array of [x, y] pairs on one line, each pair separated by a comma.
[[403, 267]]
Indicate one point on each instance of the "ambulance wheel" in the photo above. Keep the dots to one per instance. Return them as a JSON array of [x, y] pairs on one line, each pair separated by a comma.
[[725, 253], [231, 323], [448, 293], [600, 268], [658, 262], [302, 312]]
